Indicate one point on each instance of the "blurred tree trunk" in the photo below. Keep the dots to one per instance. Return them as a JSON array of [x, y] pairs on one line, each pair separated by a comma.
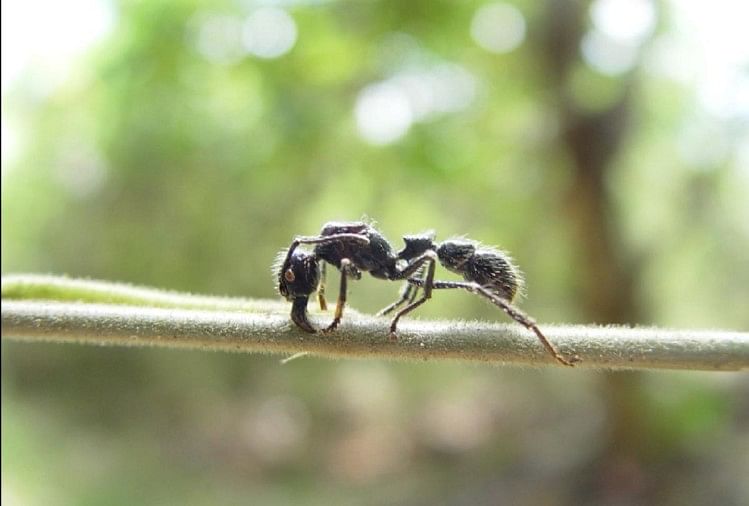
[[608, 276], [593, 140]]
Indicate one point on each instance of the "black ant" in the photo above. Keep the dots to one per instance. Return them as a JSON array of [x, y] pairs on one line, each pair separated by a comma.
[[356, 247]]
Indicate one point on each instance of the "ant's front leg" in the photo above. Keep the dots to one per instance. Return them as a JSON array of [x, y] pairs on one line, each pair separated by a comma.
[[323, 239], [347, 269], [430, 258]]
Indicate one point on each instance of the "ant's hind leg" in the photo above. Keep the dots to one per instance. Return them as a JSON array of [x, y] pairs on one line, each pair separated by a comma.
[[345, 273], [513, 312], [321, 288], [429, 257]]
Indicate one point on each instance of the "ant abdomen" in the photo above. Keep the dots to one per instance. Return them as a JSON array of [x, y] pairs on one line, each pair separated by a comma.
[[493, 270], [486, 266], [455, 253]]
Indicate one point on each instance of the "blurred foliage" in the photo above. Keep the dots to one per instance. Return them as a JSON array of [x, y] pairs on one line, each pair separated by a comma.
[[156, 164]]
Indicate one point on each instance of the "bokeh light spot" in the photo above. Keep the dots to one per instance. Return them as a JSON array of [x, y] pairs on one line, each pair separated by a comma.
[[219, 38], [383, 113], [606, 55], [620, 27], [626, 21], [269, 32], [386, 110], [498, 27]]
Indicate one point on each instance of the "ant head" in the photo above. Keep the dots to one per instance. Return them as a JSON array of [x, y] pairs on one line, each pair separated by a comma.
[[417, 245], [453, 253], [298, 277]]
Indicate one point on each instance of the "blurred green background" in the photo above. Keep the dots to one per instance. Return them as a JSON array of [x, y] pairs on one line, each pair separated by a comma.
[[181, 144]]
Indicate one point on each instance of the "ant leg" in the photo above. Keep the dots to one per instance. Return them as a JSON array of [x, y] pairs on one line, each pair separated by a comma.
[[513, 312], [420, 273], [321, 288], [415, 266], [345, 272], [407, 295], [322, 239]]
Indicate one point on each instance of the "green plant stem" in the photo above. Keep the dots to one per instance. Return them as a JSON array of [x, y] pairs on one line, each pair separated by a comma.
[[45, 308]]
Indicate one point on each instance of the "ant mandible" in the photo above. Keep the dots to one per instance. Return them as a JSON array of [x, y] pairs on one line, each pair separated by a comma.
[[356, 247]]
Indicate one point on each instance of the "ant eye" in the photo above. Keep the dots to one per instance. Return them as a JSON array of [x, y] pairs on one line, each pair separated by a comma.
[[289, 276]]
